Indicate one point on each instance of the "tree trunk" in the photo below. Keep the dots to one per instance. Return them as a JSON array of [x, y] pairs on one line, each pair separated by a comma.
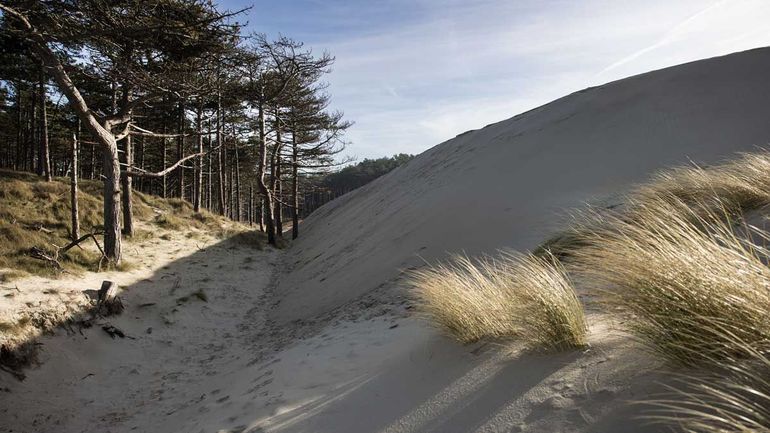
[[128, 152], [278, 202], [220, 165], [33, 131], [237, 184], [92, 168], [180, 150], [275, 168], [208, 165], [228, 171], [141, 162], [45, 152], [112, 203], [198, 163], [165, 158], [128, 207], [261, 214], [294, 187], [267, 203], [19, 133], [209, 176], [251, 205], [74, 186]]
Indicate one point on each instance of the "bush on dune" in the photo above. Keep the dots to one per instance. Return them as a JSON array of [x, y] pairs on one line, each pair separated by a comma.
[[510, 296], [686, 276]]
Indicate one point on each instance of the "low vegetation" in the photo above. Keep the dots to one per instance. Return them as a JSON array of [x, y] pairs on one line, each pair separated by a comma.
[[509, 296], [738, 185], [689, 278], [731, 188], [733, 399], [36, 214]]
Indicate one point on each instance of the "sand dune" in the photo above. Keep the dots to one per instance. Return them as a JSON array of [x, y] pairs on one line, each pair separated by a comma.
[[332, 345], [509, 184]]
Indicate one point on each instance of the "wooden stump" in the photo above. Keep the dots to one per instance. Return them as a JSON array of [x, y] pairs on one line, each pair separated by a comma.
[[107, 299]]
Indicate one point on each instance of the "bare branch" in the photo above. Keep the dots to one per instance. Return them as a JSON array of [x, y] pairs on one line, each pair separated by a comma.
[[136, 172]]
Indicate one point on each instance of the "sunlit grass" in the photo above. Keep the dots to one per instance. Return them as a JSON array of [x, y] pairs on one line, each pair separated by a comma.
[[732, 397], [677, 269], [511, 296]]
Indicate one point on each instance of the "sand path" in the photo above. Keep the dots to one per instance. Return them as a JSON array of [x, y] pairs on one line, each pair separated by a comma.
[[224, 366], [177, 349]]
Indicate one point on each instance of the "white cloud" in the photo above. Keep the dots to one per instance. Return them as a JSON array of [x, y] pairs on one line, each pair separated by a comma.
[[462, 65]]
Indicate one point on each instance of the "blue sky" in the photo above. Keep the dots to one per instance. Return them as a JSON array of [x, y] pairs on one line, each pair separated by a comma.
[[412, 74]]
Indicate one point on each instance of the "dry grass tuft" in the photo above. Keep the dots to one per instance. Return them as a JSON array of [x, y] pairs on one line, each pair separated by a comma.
[[732, 399], [510, 296], [170, 221], [561, 245], [685, 274], [728, 189], [737, 185]]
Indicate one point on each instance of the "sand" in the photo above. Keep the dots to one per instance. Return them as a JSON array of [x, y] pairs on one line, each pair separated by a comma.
[[511, 184], [323, 337]]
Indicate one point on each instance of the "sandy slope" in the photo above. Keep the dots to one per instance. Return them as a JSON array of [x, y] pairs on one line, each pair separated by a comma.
[[223, 366], [508, 184]]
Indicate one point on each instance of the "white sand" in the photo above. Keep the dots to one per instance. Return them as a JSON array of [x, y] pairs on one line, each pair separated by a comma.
[[334, 347], [510, 185]]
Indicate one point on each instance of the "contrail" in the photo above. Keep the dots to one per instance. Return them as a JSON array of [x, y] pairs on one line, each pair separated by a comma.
[[667, 38]]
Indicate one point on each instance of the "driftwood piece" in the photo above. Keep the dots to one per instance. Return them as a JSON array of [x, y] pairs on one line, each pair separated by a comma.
[[37, 227]]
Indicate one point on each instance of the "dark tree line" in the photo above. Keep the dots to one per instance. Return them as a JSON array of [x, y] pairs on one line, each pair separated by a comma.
[[168, 97], [322, 188]]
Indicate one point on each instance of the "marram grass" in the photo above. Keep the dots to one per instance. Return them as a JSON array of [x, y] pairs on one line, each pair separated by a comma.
[[685, 276], [737, 185], [511, 296], [733, 398]]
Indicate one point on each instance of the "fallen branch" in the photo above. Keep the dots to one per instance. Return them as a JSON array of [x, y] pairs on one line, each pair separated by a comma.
[[81, 239], [41, 254], [37, 227]]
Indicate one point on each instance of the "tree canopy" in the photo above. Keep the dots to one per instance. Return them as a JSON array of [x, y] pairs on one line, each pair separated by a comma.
[[170, 97]]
